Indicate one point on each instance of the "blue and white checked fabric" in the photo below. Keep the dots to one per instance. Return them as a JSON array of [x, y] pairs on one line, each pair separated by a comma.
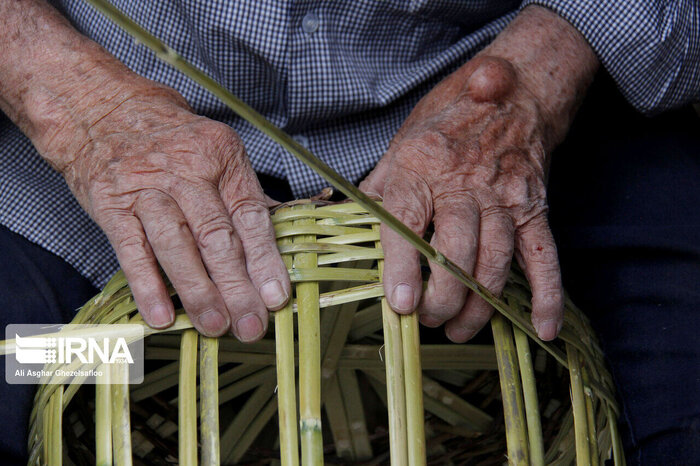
[[340, 76]]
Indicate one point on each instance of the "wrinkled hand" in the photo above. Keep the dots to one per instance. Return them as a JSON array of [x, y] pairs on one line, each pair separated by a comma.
[[471, 159], [166, 184]]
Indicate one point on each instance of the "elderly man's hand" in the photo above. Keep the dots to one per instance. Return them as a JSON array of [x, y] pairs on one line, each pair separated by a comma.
[[472, 158], [164, 184]]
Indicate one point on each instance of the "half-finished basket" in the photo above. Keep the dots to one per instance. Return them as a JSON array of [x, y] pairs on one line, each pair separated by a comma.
[[501, 399]]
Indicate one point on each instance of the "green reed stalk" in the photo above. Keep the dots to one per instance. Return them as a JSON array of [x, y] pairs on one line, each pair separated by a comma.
[[532, 413], [103, 419], [209, 399], [286, 385], [583, 452], [413, 379], [309, 354], [395, 382], [511, 391], [187, 399]]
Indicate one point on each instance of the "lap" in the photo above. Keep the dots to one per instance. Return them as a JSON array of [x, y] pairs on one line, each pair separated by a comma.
[[35, 287], [624, 197]]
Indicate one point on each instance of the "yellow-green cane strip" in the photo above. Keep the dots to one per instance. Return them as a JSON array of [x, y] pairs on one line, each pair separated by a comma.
[[618, 450], [578, 401], [511, 391], [532, 412], [395, 382], [187, 399], [209, 399], [309, 354], [103, 418], [413, 379], [590, 416], [54, 441], [121, 423], [286, 384]]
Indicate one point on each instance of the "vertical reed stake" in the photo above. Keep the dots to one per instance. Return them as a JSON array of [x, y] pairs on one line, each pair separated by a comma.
[[309, 353], [187, 399], [209, 399], [286, 385], [395, 383], [103, 419], [415, 418]]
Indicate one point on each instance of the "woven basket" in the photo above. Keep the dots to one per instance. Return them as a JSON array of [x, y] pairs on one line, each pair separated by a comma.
[[497, 400]]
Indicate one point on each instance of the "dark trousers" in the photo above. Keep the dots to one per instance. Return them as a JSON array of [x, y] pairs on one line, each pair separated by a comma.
[[624, 196]]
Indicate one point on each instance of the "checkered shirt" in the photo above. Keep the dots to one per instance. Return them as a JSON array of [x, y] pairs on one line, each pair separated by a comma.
[[340, 76]]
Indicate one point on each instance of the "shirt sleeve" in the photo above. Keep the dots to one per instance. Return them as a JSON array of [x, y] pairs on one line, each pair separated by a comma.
[[651, 48]]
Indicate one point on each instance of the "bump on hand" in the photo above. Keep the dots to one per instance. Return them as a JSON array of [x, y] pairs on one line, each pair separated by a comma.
[[492, 80]]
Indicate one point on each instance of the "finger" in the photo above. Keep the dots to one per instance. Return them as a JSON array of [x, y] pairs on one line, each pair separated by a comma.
[[456, 223], [374, 182], [492, 266], [537, 254], [141, 270], [245, 204], [173, 244], [222, 253], [407, 198]]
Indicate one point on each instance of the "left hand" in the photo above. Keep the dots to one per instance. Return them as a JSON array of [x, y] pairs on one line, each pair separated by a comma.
[[472, 158]]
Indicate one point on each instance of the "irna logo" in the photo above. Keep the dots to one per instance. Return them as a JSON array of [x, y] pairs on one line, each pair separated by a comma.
[[88, 350]]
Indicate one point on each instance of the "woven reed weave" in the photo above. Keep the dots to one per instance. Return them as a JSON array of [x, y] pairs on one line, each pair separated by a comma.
[[332, 251]]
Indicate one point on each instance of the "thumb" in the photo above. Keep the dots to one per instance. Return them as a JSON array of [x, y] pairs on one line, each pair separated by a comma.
[[374, 182]]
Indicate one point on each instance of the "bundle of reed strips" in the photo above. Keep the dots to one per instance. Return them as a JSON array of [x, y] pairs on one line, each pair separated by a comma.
[[497, 400]]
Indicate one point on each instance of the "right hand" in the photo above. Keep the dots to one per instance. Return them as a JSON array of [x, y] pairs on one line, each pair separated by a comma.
[[166, 184]]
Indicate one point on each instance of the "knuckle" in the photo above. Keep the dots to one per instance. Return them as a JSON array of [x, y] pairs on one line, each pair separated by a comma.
[[169, 233], [236, 287], [549, 302], [495, 257], [456, 240], [262, 260], [132, 243], [197, 293], [252, 220], [215, 233], [222, 136], [410, 216]]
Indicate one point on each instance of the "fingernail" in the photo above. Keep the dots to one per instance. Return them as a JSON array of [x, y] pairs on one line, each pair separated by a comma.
[[272, 294], [460, 335], [249, 327], [212, 322], [160, 316], [547, 330], [402, 298]]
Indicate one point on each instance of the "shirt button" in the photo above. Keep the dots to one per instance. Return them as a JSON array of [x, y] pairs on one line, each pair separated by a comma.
[[310, 23], [301, 139]]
